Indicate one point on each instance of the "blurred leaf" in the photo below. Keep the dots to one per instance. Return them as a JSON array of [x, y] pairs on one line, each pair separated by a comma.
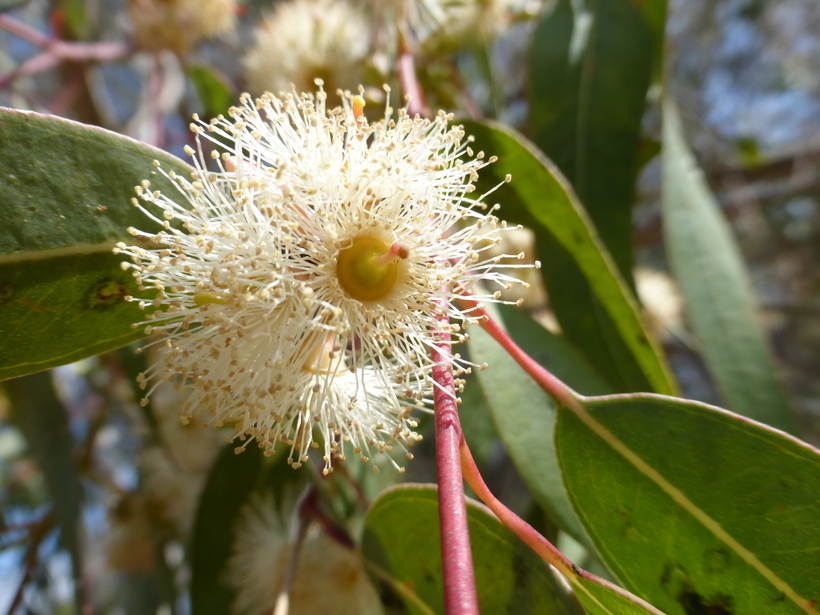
[[540, 198], [38, 412], [401, 536], [695, 509], [65, 192], [233, 479], [75, 17], [523, 413], [214, 90], [719, 301], [230, 484]]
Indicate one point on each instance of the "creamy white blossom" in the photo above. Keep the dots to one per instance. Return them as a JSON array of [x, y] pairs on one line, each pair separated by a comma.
[[328, 578], [301, 285], [302, 40]]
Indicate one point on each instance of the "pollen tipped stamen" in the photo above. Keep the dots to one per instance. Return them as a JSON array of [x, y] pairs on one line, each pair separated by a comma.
[[358, 110], [395, 253]]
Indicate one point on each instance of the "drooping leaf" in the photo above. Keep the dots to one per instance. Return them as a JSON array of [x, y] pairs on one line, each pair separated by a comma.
[[695, 509], [65, 198], [401, 537], [524, 415], [719, 301], [591, 64], [540, 198]]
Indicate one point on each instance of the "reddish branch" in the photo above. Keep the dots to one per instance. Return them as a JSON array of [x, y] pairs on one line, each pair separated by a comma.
[[55, 51], [460, 596]]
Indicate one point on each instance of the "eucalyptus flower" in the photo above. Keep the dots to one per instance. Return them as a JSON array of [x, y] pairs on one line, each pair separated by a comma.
[[305, 40], [301, 284], [327, 578]]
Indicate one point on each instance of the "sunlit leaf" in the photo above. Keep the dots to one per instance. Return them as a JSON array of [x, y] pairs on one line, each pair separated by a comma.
[[695, 509]]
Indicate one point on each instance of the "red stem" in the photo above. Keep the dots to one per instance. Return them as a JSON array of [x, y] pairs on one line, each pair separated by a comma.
[[460, 596], [519, 527], [552, 385], [577, 577], [56, 51]]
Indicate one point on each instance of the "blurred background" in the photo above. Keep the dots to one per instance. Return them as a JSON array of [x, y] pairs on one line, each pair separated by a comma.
[[99, 497]]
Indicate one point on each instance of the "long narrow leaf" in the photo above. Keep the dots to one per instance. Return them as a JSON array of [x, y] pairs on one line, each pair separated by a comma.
[[719, 301], [540, 198]]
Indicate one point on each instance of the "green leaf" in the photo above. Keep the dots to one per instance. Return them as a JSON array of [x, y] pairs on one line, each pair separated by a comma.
[[65, 198], [232, 481], [695, 509], [540, 198], [74, 12], [44, 422], [401, 537], [602, 598], [591, 64], [230, 484], [61, 309], [590, 72], [523, 413], [214, 90], [719, 300]]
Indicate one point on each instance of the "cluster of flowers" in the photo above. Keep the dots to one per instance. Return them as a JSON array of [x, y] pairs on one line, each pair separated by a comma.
[[341, 41], [301, 283], [347, 41]]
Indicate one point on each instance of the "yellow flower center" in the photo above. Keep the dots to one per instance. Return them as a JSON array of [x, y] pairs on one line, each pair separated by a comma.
[[369, 269]]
